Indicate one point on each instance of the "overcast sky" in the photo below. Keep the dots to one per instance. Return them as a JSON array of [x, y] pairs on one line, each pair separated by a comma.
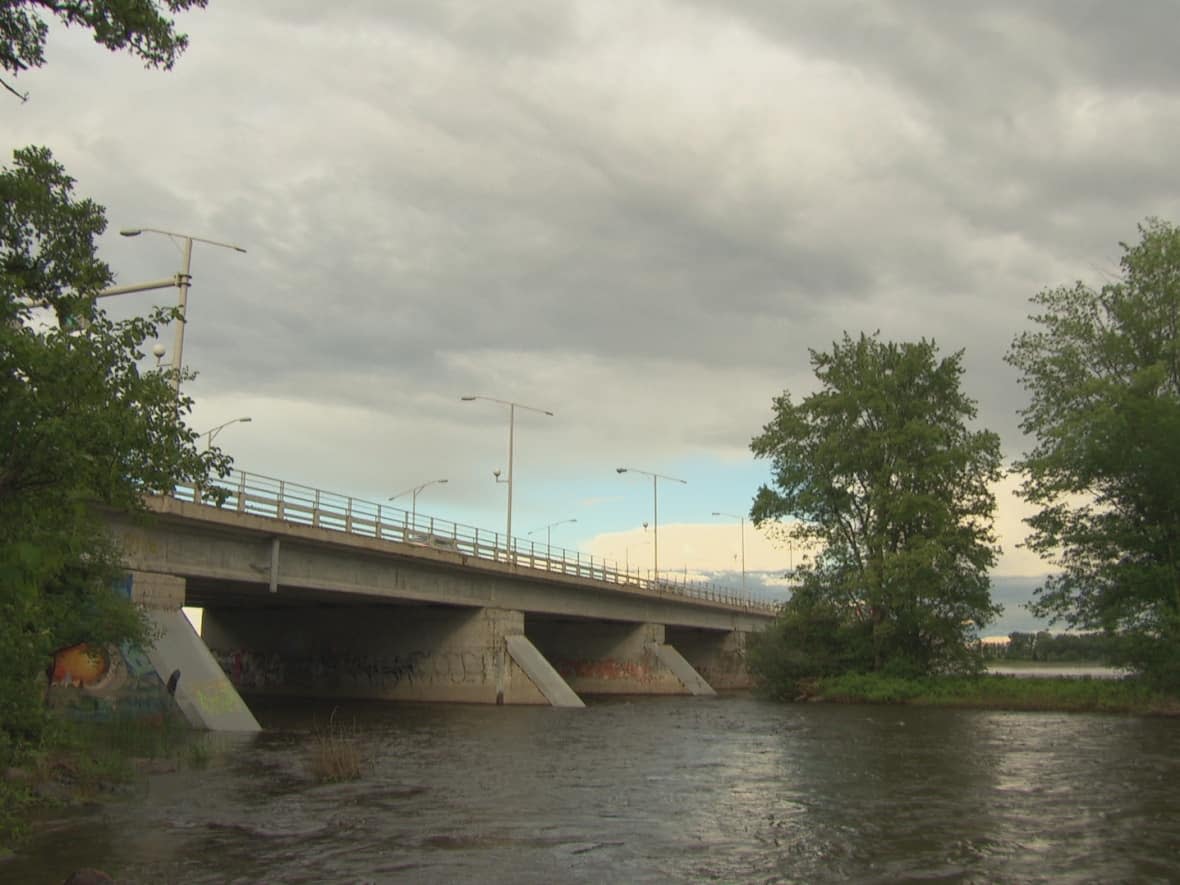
[[637, 215]]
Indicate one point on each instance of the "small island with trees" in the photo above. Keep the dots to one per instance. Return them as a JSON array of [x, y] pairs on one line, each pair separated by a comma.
[[880, 472]]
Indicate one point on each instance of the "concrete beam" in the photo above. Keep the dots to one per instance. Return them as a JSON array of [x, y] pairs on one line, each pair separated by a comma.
[[216, 550]]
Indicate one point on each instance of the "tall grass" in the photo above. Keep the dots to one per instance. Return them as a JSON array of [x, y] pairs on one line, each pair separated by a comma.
[[333, 754]]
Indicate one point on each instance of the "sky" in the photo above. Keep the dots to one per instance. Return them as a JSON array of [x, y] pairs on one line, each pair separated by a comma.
[[637, 216]]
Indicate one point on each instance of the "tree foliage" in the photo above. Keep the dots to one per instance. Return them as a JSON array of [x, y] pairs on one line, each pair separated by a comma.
[[1092, 647], [81, 426], [882, 474], [1103, 370], [139, 26]]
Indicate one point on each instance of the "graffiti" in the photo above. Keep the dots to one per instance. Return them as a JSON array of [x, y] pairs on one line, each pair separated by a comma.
[[217, 698], [357, 674], [318, 671], [104, 683], [247, 670], [607, 669]]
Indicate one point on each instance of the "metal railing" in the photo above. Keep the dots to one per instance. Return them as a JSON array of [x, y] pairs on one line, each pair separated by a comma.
[[258, 495]]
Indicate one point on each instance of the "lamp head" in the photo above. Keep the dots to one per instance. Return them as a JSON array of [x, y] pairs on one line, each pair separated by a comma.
[[130, 232], [245, 420], [467, 399], [715, 513], [620, 470], [442, 482], [496, 473]]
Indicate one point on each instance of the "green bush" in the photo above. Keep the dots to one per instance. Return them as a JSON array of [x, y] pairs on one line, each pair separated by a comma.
[[806, 641]]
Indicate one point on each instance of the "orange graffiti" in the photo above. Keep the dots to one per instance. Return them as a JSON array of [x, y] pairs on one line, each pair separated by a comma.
[[80, 665]]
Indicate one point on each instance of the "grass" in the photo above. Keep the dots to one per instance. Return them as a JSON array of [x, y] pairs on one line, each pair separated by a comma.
[[1066, 694], [77, 762], [333, 755]]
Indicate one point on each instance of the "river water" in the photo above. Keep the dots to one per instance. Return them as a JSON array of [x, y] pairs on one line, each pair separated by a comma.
[[731, 789]]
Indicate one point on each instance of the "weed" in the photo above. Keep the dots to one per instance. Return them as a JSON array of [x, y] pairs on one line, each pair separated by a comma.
[[333, 754]]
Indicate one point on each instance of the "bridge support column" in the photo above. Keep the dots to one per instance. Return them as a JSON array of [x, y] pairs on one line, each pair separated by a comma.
[[154, 590], [597, 657], [720, 657], [389, 652], [180, 660]]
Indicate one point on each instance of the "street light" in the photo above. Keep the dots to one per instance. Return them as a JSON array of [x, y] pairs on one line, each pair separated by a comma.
[[549, 530], [183, 279], [655, 512], [414, 496], [512, 407], [210, 435], [743, 522]]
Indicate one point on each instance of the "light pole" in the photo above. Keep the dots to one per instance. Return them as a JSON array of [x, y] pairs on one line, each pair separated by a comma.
[[655, 512], [512, 407], [414, 496], [549, 530], [743, 523], [183, 279], [210, 435]]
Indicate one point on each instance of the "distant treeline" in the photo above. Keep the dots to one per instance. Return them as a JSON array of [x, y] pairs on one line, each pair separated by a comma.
[[1045, 646]]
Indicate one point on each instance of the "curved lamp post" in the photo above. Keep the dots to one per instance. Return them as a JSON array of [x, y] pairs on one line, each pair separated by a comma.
[[211, 435], [512, 407], [549, 530], [655, 512], [414, 496], [183, 279], [742, 519]]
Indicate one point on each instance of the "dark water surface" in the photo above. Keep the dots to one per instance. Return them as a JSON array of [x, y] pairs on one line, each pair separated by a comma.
[[654, 790]]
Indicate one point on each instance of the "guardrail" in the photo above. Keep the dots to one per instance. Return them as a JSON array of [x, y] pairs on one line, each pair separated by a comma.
[[266, 496]]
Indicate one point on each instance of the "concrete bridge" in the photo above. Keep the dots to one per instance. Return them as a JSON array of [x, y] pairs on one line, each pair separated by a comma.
[[311, 594]]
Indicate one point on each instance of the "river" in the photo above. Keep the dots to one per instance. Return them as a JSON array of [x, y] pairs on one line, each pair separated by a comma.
[[731, 789]]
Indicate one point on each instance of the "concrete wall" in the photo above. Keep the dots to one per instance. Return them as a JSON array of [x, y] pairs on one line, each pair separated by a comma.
[[719, 657], [602, 657], [390, 652], [156, 590]]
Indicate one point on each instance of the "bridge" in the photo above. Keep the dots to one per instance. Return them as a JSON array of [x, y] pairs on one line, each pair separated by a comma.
[[313, 594]]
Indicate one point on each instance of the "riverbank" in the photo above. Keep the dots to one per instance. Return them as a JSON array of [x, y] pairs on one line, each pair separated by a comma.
[[1074, 694], [80, 763]]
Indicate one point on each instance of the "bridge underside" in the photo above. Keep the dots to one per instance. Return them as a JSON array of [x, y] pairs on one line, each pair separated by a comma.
[[422, 652]]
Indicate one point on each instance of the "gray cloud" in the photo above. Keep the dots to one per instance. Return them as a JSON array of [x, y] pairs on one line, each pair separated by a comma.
[[644, 213]]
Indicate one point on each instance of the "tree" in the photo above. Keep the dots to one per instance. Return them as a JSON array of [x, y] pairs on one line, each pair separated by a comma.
[[881, 473], [81, 426], [140, 26], [1103, 369]]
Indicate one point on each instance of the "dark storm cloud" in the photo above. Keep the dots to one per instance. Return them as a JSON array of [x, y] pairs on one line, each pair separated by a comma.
[[443, 195]]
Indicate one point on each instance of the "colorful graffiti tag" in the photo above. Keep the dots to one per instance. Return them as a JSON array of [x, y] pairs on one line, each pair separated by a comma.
[[103, 683]]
